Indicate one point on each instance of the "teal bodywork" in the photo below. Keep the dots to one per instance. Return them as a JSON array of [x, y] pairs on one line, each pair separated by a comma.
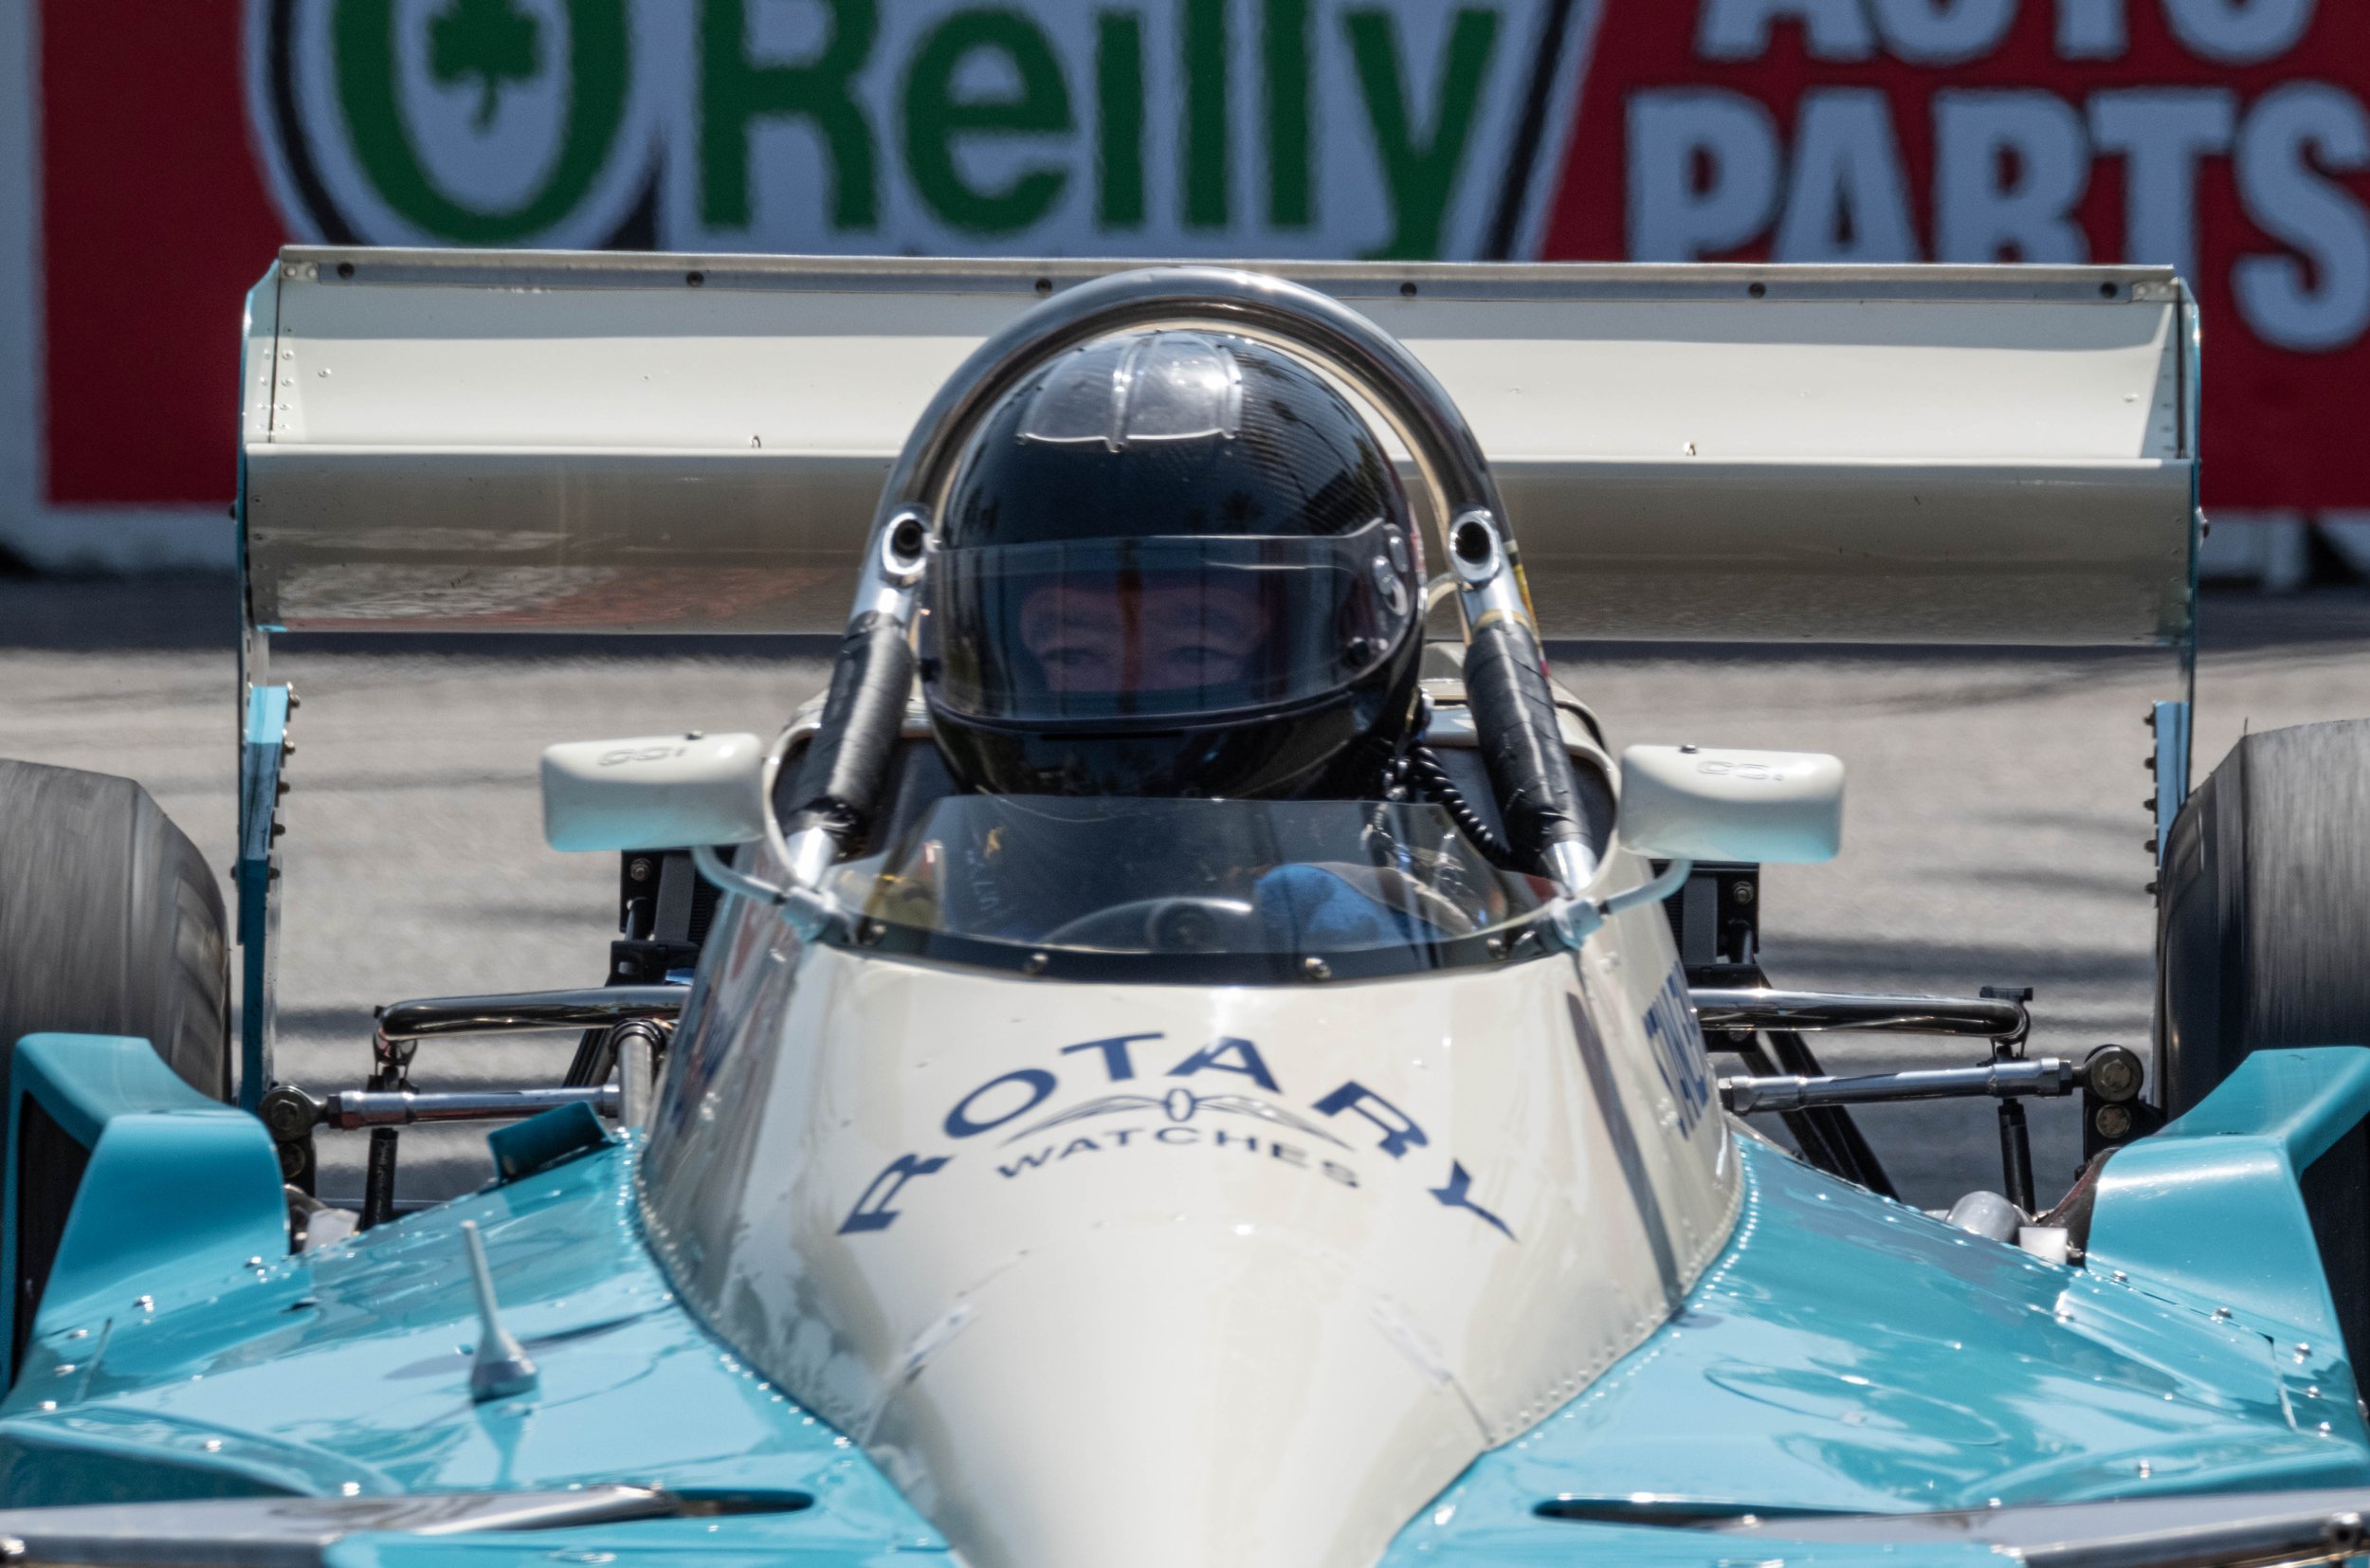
[[1846, 1354], [263, 745], [175, 1183]]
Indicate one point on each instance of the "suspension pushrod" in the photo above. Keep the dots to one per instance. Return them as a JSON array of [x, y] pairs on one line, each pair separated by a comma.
[[1807, 1011], [352, 1108], [436, 1016], [2048, 1076]]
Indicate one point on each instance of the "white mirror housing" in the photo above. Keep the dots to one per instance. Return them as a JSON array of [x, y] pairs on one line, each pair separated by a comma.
[[660, 792], [1703, 803]]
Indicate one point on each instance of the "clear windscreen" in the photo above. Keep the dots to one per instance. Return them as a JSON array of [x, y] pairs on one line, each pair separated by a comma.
[[1175, 876], [1128, 629]]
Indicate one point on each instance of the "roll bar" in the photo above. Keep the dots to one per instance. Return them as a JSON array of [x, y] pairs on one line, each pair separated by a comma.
[[1506, 685]]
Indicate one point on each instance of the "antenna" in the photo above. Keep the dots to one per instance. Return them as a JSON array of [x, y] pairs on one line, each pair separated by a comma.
[[501, 1368]]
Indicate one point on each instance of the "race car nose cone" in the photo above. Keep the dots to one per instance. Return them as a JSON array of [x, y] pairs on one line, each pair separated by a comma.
[[1174, 1397]]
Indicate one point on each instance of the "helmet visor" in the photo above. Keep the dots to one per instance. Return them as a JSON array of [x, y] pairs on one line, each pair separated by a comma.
[[1170, 625]]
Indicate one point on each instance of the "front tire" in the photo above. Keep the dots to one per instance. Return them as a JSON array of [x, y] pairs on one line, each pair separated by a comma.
[[111, 922], [2263, 941]]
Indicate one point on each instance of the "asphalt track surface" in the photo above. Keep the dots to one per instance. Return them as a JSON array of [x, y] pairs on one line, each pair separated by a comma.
[[1994, 831]]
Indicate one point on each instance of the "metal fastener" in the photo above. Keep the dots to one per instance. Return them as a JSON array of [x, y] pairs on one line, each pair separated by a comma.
[[1316, 968]]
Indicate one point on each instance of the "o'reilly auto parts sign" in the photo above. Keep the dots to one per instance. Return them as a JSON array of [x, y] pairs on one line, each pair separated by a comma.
[[178, 141], [1338, 128]]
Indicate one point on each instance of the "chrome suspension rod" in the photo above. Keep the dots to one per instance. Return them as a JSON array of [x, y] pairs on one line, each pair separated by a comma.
[[1809, 1011], [531, 1010], [351, 1108], [2048, 1076]]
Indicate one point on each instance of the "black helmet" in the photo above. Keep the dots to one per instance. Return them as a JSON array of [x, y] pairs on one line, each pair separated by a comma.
[[1174, 563]]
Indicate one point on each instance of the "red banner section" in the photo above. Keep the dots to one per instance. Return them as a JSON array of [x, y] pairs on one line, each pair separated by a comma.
[[180, 144], [2228, 138], [154, 225]]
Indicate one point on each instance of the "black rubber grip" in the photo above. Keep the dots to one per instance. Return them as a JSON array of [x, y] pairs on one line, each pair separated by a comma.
[[839, 783], [1514, 715]]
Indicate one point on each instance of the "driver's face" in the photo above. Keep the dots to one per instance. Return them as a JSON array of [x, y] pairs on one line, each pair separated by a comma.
[[1152, 636]]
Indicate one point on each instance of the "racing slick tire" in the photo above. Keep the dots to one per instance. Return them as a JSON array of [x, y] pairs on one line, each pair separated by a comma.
[[2263, 941], [111, 922]]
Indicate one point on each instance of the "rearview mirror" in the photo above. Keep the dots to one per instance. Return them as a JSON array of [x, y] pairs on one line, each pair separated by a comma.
[[1700, 804], [659, 792]]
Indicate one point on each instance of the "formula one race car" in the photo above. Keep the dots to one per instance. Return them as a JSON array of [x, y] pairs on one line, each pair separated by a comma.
[[1194, 1052]]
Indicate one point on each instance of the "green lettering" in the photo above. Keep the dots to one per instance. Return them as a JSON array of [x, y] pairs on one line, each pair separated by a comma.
[[1290, 180], [1207, 178], [1119, 95], [736, 90], [599, 50], [1421, 172], [935, 118]]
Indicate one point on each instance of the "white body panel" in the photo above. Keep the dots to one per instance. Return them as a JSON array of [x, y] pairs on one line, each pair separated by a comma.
[[554, 441], [1185, 1300], [1717, 803], [655, 789]]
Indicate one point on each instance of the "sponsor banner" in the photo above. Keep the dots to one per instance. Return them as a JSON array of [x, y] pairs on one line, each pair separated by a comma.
[[1405, 128], [178, 144], [2228, 138]]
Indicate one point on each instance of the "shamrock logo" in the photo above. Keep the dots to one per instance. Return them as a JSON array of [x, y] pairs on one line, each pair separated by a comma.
[[491, 40]]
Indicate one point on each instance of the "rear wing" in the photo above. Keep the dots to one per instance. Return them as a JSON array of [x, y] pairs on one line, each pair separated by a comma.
[[455, 441], [610, 442]]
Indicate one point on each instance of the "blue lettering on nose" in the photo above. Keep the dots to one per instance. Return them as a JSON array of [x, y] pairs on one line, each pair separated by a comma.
[[1247, 1060], [872, 1210], [1458, 1193], [1679, 1056], [1036, 1081], [1399, 1130]]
